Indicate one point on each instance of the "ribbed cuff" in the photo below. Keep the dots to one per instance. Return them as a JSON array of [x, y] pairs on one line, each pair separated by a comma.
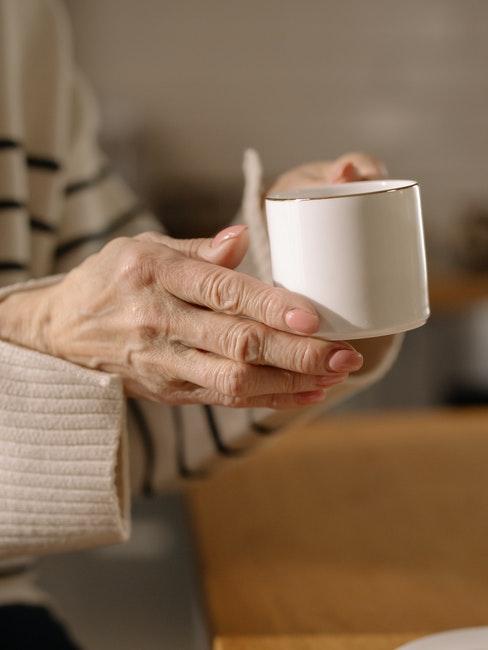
[[63, 448]]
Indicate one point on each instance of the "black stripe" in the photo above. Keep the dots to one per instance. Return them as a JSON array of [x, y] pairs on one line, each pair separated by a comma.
[[35, 222], [148, 447], [40, 162], [258, 428], [8, 143], [11, 204], [33, 160], [183, 470], [261, 429], [220, 445], [117, 223], [42, 226], [12, 266], [84, 184]]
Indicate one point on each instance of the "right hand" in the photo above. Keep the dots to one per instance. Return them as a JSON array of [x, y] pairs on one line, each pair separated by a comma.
[[180, 328]]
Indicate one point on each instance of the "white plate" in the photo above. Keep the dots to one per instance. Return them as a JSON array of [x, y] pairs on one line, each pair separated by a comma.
[[474, 638]]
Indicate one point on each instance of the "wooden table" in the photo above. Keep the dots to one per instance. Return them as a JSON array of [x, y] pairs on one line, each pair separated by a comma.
[[313, 642], [355, 533], [456, 291]]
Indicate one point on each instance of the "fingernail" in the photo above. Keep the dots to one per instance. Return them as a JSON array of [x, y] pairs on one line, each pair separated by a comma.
[[310, 397], [345, 361], [227, 233], [302, 321], [347, 173], [329, 380]]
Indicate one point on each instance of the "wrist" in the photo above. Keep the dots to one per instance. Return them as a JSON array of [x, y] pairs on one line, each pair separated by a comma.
[[26, 318]]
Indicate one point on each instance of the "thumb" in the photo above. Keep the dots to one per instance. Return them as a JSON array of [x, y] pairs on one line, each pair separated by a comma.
[[227, 248]]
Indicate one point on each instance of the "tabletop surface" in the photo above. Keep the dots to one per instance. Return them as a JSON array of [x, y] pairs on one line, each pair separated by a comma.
[[354, 533], [456, 291], [313, 642]]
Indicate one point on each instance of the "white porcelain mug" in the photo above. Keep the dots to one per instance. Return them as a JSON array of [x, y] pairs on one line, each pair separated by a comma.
[[356, 250]]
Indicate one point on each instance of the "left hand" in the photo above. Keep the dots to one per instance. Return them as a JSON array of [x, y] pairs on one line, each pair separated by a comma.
[[345, 169]]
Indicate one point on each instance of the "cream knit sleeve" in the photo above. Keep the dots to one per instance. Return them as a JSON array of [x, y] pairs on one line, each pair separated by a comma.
[[62, 453]]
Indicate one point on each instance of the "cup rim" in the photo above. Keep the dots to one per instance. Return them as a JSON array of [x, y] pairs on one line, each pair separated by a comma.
[[320, 193]]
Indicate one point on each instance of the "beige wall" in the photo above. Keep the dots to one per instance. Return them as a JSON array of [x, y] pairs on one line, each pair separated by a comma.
[[298, 80]]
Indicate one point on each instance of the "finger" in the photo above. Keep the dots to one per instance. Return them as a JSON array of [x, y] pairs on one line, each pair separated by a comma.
[[227, 248], [346, 173], [278, 402], [368, 167], [314, 174], [350, 167], [236, 293], [248, 341], [243, 379]]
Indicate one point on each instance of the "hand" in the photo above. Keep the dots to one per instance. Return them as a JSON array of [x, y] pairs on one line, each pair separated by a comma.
[[346, 169], [179, 327]]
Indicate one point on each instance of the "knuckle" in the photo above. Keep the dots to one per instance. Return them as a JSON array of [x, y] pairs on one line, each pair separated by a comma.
[[148, 333], [218, 288], [245, 342], [237, 402], [136, 265], [193, 247], [271, 304], [308, 357], [175, 267], [233, 381], [227, 400], [117, 244], [292, 381], [153, 322]]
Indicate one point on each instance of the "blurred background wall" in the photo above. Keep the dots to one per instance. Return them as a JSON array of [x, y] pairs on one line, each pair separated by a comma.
[[194, 83]]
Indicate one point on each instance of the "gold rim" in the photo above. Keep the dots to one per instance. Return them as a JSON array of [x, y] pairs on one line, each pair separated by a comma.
[[342, 196]]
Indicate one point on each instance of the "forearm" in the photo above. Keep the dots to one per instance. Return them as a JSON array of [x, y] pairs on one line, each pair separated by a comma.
[[62, 439]]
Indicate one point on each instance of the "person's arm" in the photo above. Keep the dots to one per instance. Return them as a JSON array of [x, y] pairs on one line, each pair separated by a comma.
[[62, 427], [62, 444]]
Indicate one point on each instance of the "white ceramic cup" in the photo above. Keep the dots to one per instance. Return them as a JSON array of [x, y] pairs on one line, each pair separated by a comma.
[[357, 251]]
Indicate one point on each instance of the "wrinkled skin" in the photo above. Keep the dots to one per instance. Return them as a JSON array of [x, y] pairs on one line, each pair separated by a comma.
[[180, 326]]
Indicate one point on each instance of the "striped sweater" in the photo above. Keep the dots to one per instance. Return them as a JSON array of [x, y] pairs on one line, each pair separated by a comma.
[[71, 451]]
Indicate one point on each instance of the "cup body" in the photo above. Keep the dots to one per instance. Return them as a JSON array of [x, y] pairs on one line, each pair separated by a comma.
[[356, 251]]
